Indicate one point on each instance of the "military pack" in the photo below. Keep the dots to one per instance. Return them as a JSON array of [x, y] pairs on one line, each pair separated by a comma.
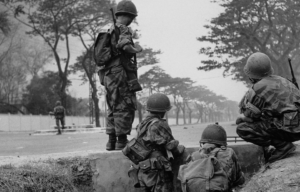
[[204, 174], [135, 150], [102, 49]]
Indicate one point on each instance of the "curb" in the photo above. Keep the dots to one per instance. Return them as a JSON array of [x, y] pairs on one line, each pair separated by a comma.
[[76, 130]]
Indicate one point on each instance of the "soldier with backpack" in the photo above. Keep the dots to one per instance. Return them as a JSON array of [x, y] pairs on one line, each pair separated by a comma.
[[59, 114], [153, 148], [214, 167], [115, 54]]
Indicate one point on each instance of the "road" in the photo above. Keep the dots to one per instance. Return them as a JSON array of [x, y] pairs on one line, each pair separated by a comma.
[[24, 144]]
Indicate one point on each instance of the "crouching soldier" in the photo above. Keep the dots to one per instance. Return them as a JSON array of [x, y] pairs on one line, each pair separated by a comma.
[[271, 110], [153, 149], [214, 167]]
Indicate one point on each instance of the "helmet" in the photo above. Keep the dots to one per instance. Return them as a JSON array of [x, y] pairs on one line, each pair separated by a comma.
[[158, 102], [58, 103], [258, 66], [126, 7], [215, 134]]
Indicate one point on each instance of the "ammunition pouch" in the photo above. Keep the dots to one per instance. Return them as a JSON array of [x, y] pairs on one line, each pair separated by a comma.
[[136, 151], [290, 119], [134, 85], [133, 175]]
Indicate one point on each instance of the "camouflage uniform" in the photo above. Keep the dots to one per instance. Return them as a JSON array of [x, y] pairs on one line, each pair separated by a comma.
[[158, 178], [228, 160], [120, 100], [271, 107]]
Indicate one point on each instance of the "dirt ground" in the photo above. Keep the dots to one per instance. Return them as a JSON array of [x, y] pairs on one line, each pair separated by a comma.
[[22, 147]]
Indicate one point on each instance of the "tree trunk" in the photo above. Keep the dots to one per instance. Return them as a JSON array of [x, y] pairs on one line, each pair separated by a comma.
[[96, 105], [177, 114]]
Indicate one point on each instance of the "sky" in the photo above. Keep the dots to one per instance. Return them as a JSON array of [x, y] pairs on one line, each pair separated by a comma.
[[172, 26]]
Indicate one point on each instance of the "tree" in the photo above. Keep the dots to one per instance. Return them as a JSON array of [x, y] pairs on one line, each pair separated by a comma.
[[41, 95], [55, 21], [200, 95], [177, 87], [245, 27], [155, 79]]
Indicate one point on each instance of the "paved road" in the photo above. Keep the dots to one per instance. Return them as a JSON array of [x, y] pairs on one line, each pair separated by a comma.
[[23, 144]]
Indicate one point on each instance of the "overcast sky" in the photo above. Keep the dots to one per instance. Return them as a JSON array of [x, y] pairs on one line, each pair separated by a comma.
[[172, 26]]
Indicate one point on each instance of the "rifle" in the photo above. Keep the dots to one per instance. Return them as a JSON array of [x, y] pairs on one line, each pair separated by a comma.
[[117, 31], [294, 81]]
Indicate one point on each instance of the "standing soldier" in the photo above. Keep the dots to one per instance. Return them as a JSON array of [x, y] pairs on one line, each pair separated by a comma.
[[155, 136], [59, 113], [120, 79], [270, 108]]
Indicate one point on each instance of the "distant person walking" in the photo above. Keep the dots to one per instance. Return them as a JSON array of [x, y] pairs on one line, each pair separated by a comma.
[[59, 113]]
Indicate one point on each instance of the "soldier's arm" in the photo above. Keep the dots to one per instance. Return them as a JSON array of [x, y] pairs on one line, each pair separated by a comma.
[[125, 41], [237, 176]]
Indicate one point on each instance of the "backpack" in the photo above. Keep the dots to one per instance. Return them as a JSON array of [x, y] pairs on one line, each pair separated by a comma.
[[203, 175], [102, 49]]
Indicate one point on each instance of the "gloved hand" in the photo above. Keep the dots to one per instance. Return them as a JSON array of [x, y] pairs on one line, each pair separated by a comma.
[[240, 120]]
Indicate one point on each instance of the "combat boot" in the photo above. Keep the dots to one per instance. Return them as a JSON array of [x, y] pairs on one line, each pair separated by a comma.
[[122, 141], [283, 148], [111, 144]]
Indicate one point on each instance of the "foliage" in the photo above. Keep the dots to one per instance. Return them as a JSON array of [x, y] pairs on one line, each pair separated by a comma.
[[41, 95], [245, 27]]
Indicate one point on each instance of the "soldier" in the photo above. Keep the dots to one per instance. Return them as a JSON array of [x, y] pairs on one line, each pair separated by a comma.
[[270, 108], [155, 172], [214, 142], [120, 79], [59, 113]]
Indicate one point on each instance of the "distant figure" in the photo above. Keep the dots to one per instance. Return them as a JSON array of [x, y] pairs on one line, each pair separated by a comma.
[[214, 167], [59, 113], [270, 108]]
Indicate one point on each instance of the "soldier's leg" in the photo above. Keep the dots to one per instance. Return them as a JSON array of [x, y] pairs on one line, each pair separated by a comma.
[[123, 125], [111, 86], [122, 103], [254, 133], [58, 127], [110, 131], [263, 134]]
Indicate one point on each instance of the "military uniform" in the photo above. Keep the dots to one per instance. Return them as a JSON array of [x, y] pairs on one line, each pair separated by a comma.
[[271, 109], [272, 104], [120, 75], [157, 178], [59, 113], [228, 160]]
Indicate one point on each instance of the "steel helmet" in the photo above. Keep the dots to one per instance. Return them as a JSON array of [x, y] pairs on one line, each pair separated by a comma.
[[258, 66], [158, 102], [58, 103], [215, 134], [126, 6]]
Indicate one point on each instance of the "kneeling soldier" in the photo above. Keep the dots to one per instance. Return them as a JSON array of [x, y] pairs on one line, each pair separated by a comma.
[[153, 148]]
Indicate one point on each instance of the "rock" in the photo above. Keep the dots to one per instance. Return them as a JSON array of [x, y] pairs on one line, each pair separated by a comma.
[[282, 175], [184, 127]]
